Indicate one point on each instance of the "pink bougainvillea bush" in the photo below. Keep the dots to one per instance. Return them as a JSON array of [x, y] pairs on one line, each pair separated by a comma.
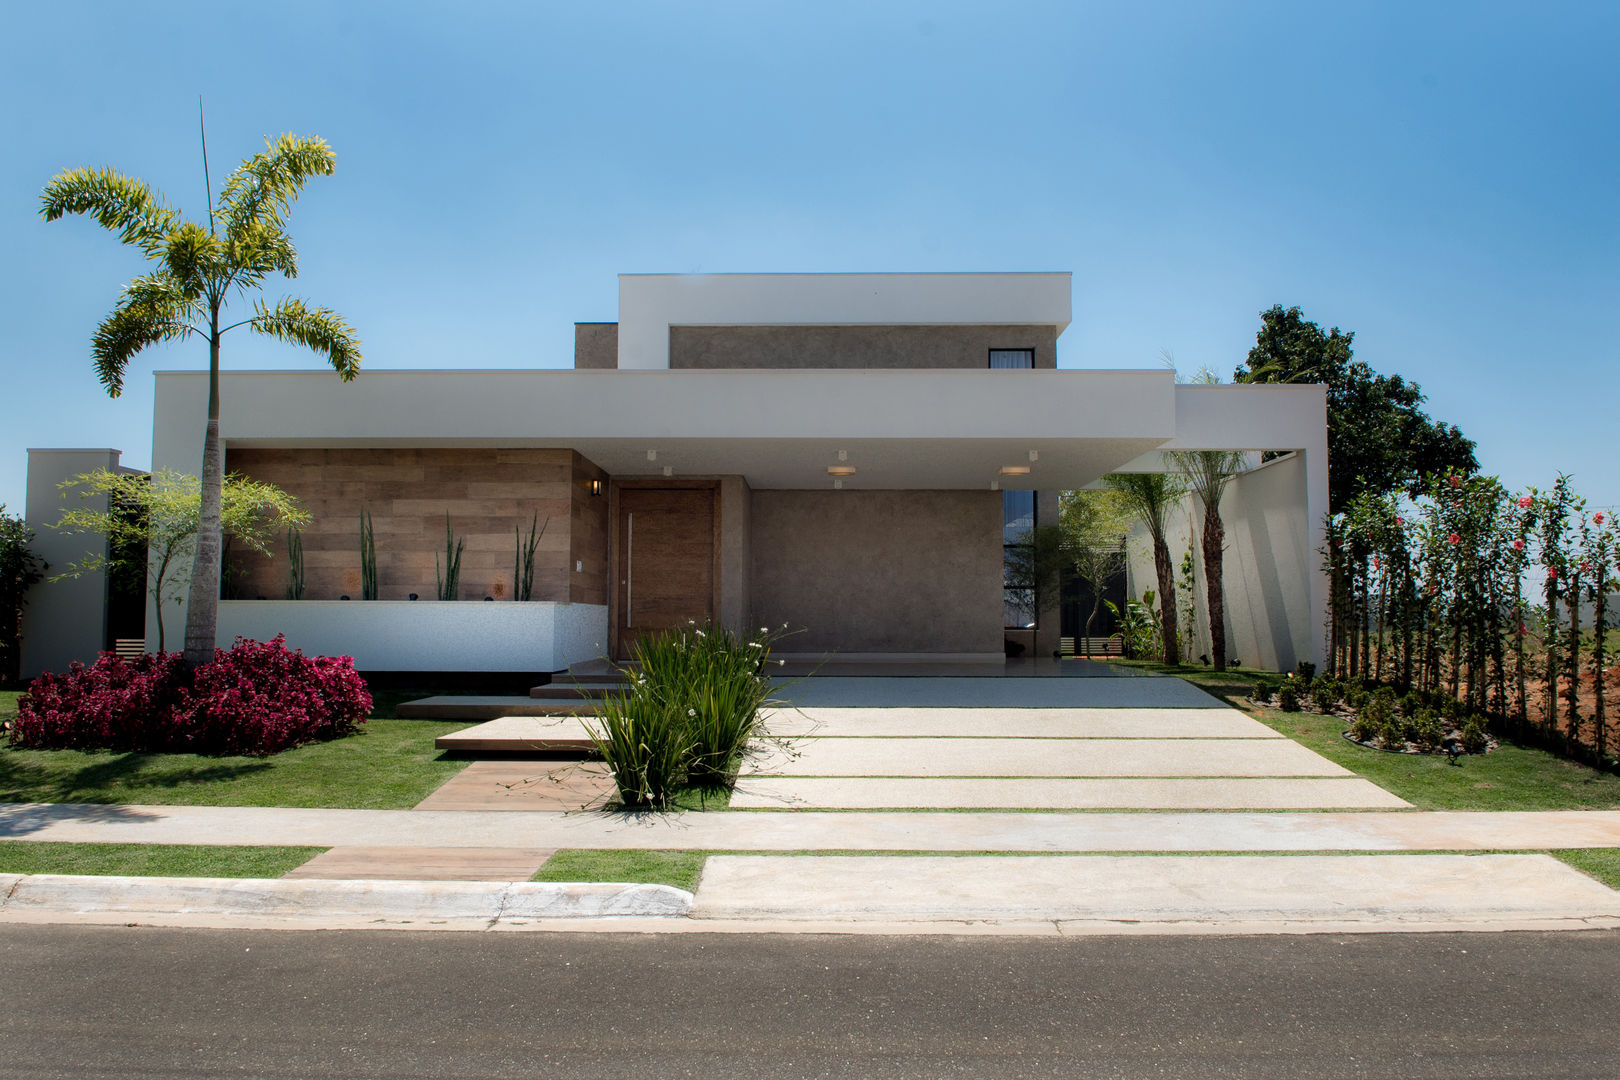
[[115, 704], [257, 698]]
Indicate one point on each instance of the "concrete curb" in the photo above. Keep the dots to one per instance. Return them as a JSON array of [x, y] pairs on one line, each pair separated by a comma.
[[305, 899]]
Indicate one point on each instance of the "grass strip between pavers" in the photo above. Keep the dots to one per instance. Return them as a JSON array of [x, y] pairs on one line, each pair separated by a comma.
[[1510, 778], [683, 868], [150, 860]]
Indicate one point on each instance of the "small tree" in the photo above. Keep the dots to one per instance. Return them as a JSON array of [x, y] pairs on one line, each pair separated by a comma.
[[1151, 497], [1092, 526], [161, 514], [19, 570]]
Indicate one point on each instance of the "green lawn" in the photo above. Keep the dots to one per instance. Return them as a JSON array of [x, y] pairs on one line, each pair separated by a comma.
[[1601, 863], [150, 860], [641, 866], [1510, 778], [390, 765]]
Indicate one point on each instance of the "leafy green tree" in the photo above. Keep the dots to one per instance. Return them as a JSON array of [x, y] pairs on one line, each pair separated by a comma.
[[1091, 529], [1379, 439], [161, 515], [19, 570], [1151, 497], [197, 270]]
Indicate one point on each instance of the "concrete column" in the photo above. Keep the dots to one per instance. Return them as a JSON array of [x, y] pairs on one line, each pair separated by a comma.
[[63, 621], [1048, 616]]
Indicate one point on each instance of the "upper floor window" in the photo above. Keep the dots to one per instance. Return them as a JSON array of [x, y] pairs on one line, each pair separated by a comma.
[[1012, 358]]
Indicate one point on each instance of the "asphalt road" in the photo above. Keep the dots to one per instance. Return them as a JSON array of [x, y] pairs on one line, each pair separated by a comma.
[[138, 1002]]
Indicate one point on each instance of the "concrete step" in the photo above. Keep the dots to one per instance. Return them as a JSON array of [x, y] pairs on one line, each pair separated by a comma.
[[489, 708], [571, 690]]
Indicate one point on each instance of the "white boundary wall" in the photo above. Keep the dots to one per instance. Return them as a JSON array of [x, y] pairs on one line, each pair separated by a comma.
[[1270, 564], [404, 635]]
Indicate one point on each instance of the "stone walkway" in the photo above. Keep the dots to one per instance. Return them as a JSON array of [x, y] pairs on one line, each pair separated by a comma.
[[1138, 743]]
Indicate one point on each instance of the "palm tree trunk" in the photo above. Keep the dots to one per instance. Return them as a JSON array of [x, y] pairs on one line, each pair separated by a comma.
[[202, 611], [1167, 599], [1214, 536]]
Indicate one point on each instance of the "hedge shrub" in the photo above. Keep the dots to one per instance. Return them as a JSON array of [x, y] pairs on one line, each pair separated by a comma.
[[257, 698]]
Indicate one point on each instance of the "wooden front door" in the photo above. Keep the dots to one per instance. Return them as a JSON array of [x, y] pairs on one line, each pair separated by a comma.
[[666, 553]]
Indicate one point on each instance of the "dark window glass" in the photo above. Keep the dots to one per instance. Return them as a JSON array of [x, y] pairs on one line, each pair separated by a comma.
[[1012, 358], [1017, 525], [1017, 516]]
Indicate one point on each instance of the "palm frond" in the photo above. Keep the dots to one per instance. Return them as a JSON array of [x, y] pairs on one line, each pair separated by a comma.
[[259, 249], [262, 189], [317, 328], [119, 203], [153, 308], [193, 257]]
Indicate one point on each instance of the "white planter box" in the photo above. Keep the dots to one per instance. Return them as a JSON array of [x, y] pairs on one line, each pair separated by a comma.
[[426, 635]]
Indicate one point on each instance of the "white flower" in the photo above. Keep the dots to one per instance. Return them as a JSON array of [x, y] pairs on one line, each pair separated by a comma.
[[781, 663], [764, 629], [691, 712], [699, 633], [755, 645]]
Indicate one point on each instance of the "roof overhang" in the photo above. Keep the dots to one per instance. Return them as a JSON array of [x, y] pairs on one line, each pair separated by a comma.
[[779, 429]]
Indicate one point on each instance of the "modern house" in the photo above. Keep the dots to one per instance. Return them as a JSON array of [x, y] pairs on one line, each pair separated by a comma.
[[847, 454]]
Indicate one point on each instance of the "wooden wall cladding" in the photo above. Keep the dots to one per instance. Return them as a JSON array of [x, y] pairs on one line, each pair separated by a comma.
[[488, 493]]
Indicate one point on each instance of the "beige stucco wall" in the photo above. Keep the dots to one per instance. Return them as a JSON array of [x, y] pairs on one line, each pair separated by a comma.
[[736, 517], [879, 571], [853, 346], [1267, 569], [596, 345]]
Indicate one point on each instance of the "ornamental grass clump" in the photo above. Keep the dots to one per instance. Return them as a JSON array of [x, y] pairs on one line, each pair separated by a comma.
[[644, 742], [693, 702]]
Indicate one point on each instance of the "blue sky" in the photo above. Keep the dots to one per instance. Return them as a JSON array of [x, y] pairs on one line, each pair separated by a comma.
[[1439, 178]]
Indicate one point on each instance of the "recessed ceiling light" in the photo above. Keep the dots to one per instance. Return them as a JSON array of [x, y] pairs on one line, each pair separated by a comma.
[[840, 470], [1014, 470]]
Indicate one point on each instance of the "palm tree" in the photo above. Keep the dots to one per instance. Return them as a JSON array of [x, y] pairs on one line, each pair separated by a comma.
[[1151, 497], [1207, 474], [197, 271]]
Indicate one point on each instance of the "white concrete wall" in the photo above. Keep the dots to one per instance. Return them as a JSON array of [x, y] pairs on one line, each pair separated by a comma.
[[401, 635], [63, 621], [1269, 567], [649, 304]]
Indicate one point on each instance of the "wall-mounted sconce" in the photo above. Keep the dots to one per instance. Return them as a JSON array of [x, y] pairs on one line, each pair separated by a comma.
[[596, 487], [669, 470]]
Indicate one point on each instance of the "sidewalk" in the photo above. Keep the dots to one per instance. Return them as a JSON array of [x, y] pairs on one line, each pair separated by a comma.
[[811, 830]]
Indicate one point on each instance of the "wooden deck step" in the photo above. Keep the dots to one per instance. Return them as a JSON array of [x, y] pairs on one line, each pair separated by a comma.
[[424, 864], [520, 735]]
